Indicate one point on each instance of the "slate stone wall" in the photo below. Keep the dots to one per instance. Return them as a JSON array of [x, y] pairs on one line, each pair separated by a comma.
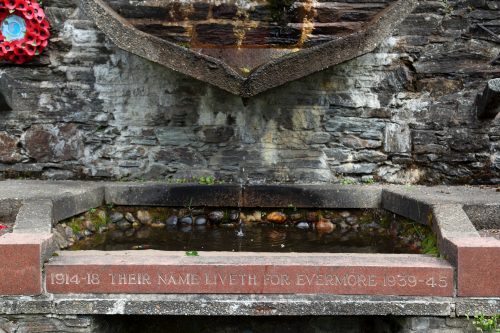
[[174, 324], [403, 113]]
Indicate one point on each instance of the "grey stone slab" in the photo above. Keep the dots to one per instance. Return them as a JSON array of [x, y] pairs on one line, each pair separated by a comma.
[[406, 205], [484, 216], [312, 196], [465, 195], [452, 222], [472, 306], [35, 216], [229, 305], [68, 204], [28, 189], [157, 194]]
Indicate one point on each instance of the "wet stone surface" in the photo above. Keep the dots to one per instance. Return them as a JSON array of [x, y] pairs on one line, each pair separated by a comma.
[[229, 229]]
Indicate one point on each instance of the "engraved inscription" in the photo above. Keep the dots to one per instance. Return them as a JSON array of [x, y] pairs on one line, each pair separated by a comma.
[[166, 280]]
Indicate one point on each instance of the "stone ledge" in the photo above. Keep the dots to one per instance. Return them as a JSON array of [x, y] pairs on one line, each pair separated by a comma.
[[230, 305]]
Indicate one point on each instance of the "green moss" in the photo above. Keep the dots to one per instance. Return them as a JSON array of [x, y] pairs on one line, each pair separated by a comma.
[[75, 225], [98, 218], [429, 245]]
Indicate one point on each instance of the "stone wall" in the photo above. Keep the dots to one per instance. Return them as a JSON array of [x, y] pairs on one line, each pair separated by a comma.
[[200, 324], [401, 114]]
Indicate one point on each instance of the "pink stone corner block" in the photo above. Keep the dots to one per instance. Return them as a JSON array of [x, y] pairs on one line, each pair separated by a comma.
[[478, 265], [21, 262]]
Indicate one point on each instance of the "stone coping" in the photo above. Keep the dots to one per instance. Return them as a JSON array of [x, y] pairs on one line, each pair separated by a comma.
[[474, 259], [247, 305]]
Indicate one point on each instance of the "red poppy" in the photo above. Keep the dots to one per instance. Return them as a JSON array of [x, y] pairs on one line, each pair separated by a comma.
[[34, 35]]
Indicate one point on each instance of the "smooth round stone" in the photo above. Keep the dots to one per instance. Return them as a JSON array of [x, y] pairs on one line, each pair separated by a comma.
[[234, 215], [129, 217], [295, 216], [216, 216], [200, 220], [351, 220], [69, 232], [345, 214], [302, 225], [144, 217], [276, 217], [157, 224], [90, 226], [87, 233], [172, 220], [136, 225], [257, 216], [186, 220], [324, 225], [124, 225], [116, 217]]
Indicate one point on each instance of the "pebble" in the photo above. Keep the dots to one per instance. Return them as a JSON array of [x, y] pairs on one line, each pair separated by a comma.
[[87, 233], [129, 217], [234, 215], [302, 225], [144, 217], [157, 224], [276, 217], [90, 226], [136, 225], [295, 216], [351, 220], [116, 217], [324, 225], [200, 220], [186, 220], [172, 220], [257, 216], [216, 216], [69, 232], [103, 229], [345, 214]]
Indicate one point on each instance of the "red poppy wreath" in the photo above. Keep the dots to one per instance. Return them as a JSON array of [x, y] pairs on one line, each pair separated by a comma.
[[24, 31]]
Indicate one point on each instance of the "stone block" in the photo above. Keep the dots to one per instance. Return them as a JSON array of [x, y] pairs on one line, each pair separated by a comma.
[[21, 265], [245, 273], [478, 265], [311, 196]]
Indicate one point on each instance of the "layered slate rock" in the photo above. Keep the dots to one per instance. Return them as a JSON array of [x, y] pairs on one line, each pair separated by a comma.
[[248, 49]]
